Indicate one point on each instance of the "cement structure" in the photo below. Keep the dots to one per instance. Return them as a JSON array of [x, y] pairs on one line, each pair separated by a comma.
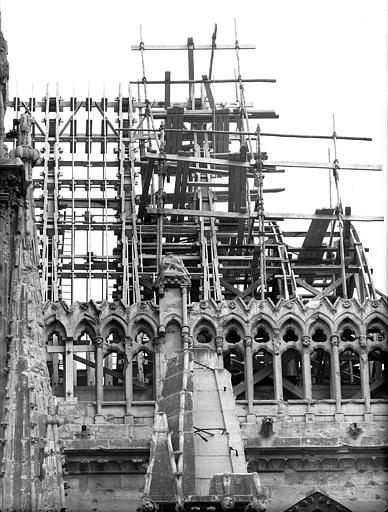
[[164, 343]]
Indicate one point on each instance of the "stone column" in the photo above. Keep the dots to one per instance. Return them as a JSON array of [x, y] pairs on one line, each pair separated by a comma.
[[248, 366], [185, 327], [69, 370], [306, 368], [128, 378], [157, 366], [364, 373], [99, 375], [277, 366], [334, 340]]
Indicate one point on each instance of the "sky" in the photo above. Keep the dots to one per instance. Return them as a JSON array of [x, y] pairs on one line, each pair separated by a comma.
[[328, 57]]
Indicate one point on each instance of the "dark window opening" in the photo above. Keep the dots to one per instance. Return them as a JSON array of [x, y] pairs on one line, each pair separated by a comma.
[[350, 374], [143, 376], [262, 335], [375, 334], [232, 336], [319, 336], [263, 383], [234, 363], [377, 360], [290, 335], [348, 334], [292, 375], [320, 374], [204, 336]]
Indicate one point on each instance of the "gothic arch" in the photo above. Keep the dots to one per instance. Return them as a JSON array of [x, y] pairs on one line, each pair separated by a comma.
[[84, 326], [143, 321], [319, 317], [317, 502], [234, 331], [349, 329], [204, 333], [319, 331], [58, 328], [348, 318], [113, 325]]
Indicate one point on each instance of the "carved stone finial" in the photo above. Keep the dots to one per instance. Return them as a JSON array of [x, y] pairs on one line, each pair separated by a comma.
[[334, 340], [227, 502], [148, 505], [99, 341], [247, 341], [172, 273], [219, 344], [362, 340], [267, 427]]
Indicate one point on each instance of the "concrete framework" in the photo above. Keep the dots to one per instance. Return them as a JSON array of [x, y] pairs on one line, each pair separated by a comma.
[[199, 356]]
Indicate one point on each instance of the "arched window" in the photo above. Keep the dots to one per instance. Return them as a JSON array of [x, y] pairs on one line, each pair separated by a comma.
[[290, 331], [232, 335], [319, 331], [378, 360], [114, 376], [349, 361], [321, 374], [234, 363], [292, 375], [348, 331], [143, 375], [204, 333], [142, 334], [114, 361], [319, 335], [262, 333], [263, 383], [376, 331], [55, 362]]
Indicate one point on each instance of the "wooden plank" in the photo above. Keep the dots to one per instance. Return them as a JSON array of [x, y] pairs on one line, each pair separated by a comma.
[[167, 89], [372, 386], [332, 287], [221, 124], [253, 215], [229, 287], [174, 119], [317, 165], [209, 93], [262, 374], [219, 81], [146, 181], [307, 286], [197, 213], [190, 56], [149, 47], [267, 163], [314, 238], [107, 371], [180, 196]]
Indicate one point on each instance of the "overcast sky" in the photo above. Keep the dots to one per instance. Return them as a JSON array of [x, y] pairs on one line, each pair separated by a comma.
[[328, 56]]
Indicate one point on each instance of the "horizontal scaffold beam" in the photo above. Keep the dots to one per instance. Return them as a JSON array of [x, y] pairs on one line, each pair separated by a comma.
[[266, 163], [148, 47], [253, 215]]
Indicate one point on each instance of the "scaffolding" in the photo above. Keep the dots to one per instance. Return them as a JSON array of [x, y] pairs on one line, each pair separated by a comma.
[[124, 181]]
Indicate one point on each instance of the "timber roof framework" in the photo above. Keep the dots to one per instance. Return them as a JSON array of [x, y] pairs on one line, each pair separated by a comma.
[[122, 182]]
